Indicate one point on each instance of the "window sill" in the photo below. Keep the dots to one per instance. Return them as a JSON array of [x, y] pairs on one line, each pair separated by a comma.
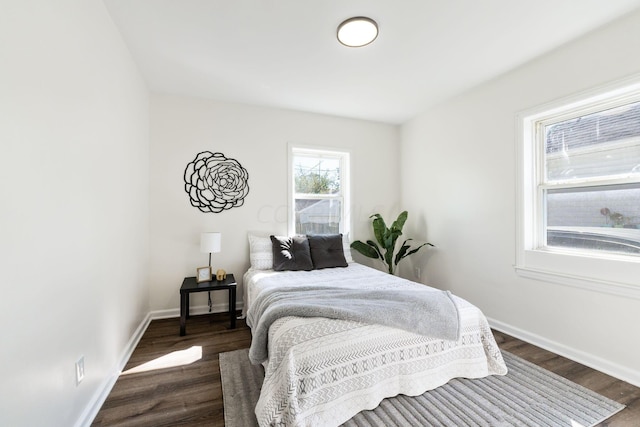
[[586, 283]]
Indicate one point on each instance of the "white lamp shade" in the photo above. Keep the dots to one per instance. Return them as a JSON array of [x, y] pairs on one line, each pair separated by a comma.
[[210, 242]]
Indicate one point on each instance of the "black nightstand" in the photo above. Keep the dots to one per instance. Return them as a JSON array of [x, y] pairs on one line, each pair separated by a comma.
[[189, 285]]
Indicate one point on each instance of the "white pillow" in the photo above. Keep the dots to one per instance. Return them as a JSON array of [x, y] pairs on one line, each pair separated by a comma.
[[260, 252]]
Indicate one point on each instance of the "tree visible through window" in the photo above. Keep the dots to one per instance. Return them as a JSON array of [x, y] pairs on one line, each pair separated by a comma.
[[321, 177], [319, 195]]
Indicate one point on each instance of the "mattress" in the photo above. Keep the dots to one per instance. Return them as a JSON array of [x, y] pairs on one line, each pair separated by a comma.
[[321, 372]]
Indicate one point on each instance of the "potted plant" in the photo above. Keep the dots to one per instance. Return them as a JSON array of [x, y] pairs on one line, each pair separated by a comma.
[[387, 237]]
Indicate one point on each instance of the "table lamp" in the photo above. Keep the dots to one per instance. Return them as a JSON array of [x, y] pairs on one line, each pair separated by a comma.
[[211, 243]]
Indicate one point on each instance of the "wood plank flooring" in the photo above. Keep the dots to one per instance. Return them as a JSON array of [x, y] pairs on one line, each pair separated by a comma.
[[187, 395], [191, 394]]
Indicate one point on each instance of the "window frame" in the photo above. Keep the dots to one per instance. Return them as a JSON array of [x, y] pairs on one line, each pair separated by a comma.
[[596, 270], [345, 184]]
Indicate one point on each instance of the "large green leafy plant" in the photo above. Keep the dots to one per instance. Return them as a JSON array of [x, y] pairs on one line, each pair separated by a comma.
[[385, 248]]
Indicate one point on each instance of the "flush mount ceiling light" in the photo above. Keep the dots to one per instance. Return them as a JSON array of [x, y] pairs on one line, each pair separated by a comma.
[[357, 32]]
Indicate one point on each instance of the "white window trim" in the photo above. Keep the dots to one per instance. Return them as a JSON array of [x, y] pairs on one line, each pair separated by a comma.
[[345, 184], [607, 273]]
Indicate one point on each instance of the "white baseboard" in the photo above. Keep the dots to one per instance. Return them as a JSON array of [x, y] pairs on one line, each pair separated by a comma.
[[96, 402], [98, 399], [602, 365]]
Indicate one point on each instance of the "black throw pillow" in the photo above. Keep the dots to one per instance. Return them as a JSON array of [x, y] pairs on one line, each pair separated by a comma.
[[327, 250], [291, 253]]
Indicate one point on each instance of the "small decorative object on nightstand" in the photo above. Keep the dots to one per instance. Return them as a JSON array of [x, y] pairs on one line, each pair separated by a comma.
[[221, 275], [191, 285]]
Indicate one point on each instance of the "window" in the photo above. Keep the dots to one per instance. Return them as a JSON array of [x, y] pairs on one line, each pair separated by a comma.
[[589, 186], [319, 182], [579, 183]]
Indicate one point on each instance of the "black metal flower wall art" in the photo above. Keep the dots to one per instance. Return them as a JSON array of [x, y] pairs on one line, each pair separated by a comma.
[[215, 183]]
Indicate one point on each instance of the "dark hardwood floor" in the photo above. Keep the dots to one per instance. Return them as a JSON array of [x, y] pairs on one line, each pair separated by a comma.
[[190, 394], [186, 395]]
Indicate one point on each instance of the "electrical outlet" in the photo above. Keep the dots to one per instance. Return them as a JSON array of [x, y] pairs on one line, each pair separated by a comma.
[[418, 272], [79, 370]]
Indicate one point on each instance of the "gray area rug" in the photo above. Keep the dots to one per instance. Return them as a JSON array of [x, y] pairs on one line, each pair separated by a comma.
[[527, 396]]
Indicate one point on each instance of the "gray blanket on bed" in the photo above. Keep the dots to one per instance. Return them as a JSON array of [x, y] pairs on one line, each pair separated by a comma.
[[423, 311]]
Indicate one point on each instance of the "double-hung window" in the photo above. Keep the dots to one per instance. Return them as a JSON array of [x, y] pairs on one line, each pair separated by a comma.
[[579, 187], [319, 188]]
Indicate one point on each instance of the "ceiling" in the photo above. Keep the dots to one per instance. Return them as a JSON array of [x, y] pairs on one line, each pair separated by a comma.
[[284, 53]]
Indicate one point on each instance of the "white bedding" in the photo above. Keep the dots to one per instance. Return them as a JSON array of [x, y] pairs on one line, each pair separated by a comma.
[[321, 372]]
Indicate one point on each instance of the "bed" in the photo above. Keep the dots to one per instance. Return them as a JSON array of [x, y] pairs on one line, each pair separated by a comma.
[[321, 371]]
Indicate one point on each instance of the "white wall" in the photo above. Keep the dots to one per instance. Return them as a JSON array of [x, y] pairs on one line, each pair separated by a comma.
[[73, 206], [256, 137], [458, 174]]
